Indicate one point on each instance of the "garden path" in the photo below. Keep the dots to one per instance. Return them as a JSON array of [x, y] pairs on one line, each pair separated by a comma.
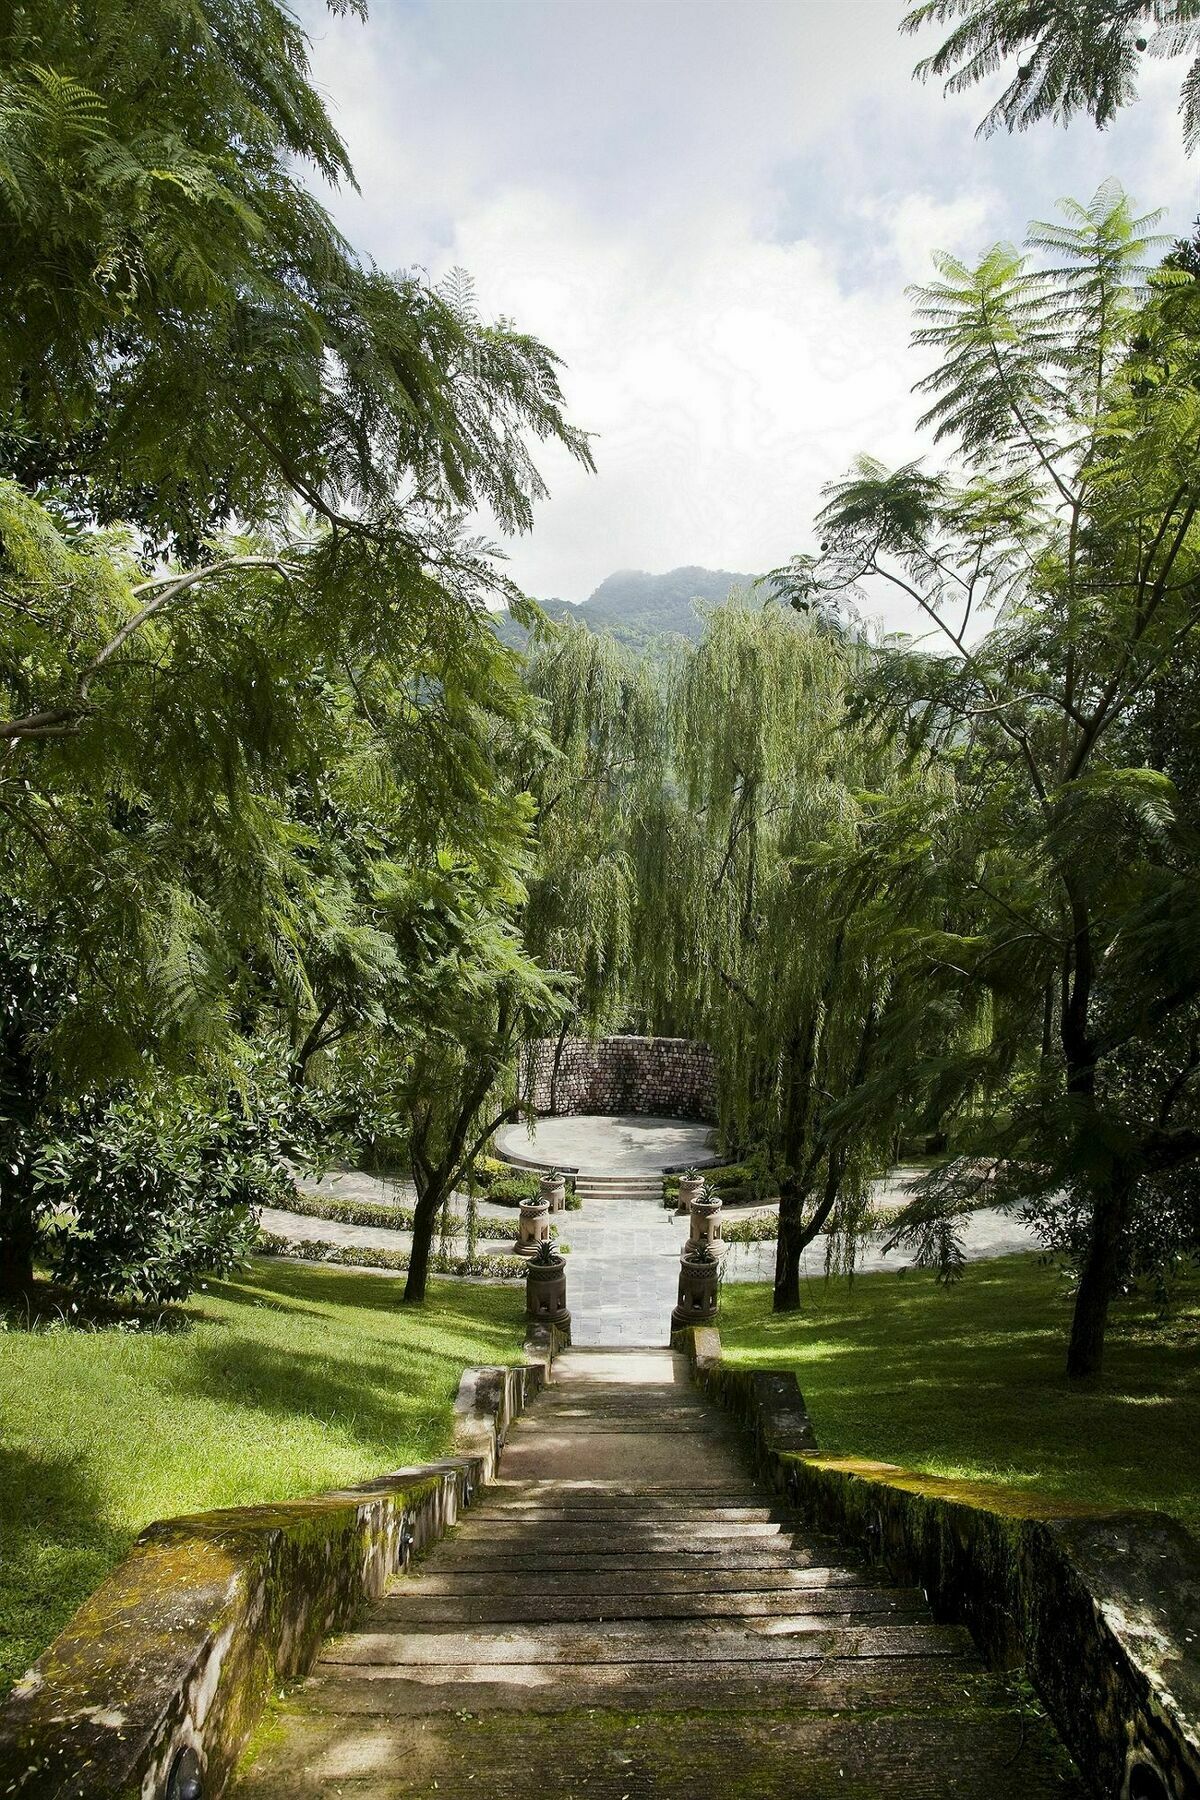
[[626, 1614], [624, 1247]]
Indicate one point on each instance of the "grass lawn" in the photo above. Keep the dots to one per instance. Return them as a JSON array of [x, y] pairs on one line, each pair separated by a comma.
[[969, 1382], [288, 1380]]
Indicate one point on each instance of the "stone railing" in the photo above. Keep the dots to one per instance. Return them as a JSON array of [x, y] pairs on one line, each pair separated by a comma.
[[1100, 1607], [659, 1077], [155, 1685]]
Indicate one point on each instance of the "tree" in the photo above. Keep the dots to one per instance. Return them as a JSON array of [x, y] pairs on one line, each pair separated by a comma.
[[1056, 557], [186, 337], [758, 931], [602, 713], [185, 710], [482, 1000], [1074, 55]]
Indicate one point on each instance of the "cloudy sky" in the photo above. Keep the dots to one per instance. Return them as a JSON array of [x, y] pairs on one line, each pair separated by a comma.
[[710, 210]]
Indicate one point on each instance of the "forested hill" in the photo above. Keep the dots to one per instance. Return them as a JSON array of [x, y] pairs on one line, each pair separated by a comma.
[[637, 607]]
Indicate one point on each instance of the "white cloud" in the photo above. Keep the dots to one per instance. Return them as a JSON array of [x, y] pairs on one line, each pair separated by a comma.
[[710, 209]]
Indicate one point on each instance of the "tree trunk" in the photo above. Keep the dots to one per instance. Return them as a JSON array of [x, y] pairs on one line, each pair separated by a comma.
[[1098, 1277], [18, 1239], [425, 1213], [788, 1247], [558, 1056]]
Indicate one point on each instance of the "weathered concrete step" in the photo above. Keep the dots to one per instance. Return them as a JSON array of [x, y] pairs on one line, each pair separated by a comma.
[[543, 1512], [839, 1605], [790, 1639], [778, 1756], [589, 1494], [581, 1532], [698, 1556], [842, 1686], [650, 1579]]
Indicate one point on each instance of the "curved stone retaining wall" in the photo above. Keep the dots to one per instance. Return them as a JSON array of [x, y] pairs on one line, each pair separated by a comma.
[[666, 1078]]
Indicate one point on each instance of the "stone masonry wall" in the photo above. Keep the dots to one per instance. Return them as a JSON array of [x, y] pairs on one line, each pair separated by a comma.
[[669, 1078]]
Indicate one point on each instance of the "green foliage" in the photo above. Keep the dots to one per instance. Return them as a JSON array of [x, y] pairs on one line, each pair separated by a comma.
[[1072, 57], [157, 1196], [161, 245], [382, 1215], [265, 800], [762, 935], [393, 1262], [751, 1231], [511, 1190], [1056, 557]]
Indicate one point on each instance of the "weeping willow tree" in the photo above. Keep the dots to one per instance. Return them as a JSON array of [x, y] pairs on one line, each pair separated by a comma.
[[604, 719], [762, 930]]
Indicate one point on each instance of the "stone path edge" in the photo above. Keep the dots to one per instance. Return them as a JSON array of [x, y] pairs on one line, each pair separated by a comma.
[[1101, 1608], [182, 1645]]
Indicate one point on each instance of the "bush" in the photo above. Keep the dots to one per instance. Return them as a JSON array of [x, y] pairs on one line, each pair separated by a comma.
[[378, 1213], [488, 1169], [153, 1193], [751, 1231], [502, 1268], [512, 1189], [739, 1184]]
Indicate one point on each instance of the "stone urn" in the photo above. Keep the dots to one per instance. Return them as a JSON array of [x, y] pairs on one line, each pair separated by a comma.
[[706, 1220], [691, 1187], [699, 1274], [554, 1190], [533, 1226], [546, 1288]]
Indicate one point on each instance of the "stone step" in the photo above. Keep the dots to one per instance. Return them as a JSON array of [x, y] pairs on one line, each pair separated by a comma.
[[580, 1533], [628, 1614], [871, 1682], [795, 1638], [775, 1756], [650, 1580], [841, 1605], [698, 1557], [538, 1513]]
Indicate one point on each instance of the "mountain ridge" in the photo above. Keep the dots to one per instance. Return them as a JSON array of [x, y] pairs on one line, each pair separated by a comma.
[[636, 606]]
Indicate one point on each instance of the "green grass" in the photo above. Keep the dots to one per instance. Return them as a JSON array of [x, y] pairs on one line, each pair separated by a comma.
[[286, 1381], [968, 1382]]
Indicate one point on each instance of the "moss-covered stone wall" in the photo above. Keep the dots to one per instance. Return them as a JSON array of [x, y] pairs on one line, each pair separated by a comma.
[[1101, 1608], [183, 1644]]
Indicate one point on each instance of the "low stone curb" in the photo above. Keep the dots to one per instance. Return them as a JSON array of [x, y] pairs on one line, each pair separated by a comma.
[[183, 1644], [1102, 1608]]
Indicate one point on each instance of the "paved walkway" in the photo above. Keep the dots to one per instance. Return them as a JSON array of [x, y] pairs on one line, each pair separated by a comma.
[[623, 1269], [626, 1615]]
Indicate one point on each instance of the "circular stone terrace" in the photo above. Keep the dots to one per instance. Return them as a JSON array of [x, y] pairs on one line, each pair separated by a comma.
[[608, 1144]]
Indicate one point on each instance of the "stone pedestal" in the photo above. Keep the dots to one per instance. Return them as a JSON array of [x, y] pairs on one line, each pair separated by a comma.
[[706, 1221], [546, 1291], [691, 1188], [533, 1227], [554, 1192], [698, 1278]]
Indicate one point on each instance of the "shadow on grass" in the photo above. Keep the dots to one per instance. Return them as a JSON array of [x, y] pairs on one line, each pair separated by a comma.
[[55, 1547], [972, 1382]]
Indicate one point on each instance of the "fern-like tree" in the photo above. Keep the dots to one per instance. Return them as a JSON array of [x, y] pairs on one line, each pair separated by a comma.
[[1065, 56], [1057, 557], [186, 341]]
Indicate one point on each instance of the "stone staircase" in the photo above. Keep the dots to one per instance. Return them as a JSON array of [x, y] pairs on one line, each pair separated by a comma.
[[627, 1615], [596, 1189]]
